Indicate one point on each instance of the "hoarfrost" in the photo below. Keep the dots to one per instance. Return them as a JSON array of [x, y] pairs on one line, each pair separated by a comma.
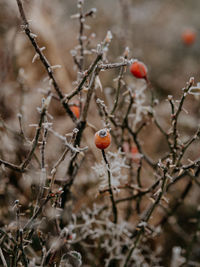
[[117, 164]]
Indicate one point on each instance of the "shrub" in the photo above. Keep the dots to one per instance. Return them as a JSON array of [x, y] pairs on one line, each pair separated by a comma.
[[64, 202]]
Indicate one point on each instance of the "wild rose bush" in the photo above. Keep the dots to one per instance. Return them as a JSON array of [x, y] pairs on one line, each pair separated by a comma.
[[66, 202]]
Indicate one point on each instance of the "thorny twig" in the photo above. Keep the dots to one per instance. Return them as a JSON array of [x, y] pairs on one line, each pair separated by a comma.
[[23, 165], [44, 60], [141, 226], [175, 116], [119, 81]]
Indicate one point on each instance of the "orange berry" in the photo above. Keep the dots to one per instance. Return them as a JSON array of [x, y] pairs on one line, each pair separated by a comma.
[[188, 36], [135, 154], [102, 139], [76, 110], [139, 70], [134, 150]]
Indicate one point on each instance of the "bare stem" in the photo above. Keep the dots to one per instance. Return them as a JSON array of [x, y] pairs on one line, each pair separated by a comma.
[[114, 208], [174, 121], [35, 141], [30, 222], [86, 75], [140, 228], [11, 166], [3, 258]]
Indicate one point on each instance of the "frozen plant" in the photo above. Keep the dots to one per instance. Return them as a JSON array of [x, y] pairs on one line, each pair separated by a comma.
[[140, 108], [117, 166], [96, 225]]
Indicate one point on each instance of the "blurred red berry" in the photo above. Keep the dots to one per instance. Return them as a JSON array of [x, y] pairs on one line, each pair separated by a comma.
[[139, 70], [189, 36], [132, 152], [76, 110], [135, 154]]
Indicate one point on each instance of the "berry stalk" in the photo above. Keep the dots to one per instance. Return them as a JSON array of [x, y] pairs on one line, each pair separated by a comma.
[[114, 208]]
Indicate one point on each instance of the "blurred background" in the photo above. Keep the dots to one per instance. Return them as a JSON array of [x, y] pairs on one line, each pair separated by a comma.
[[152, 29]]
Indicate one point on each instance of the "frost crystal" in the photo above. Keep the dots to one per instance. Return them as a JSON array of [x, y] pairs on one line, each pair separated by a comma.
[[140, 109], [95, 224], [117, 164], [195, 90], [108, 37]]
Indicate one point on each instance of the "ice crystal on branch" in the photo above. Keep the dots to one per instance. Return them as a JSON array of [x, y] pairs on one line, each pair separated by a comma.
[[117, 165], [139, 106], [96, 224], [195, 90]]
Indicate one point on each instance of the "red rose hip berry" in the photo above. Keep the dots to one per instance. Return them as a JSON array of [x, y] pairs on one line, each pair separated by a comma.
[[189, 36], [139, 70], [76, 110], [102, 139]]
